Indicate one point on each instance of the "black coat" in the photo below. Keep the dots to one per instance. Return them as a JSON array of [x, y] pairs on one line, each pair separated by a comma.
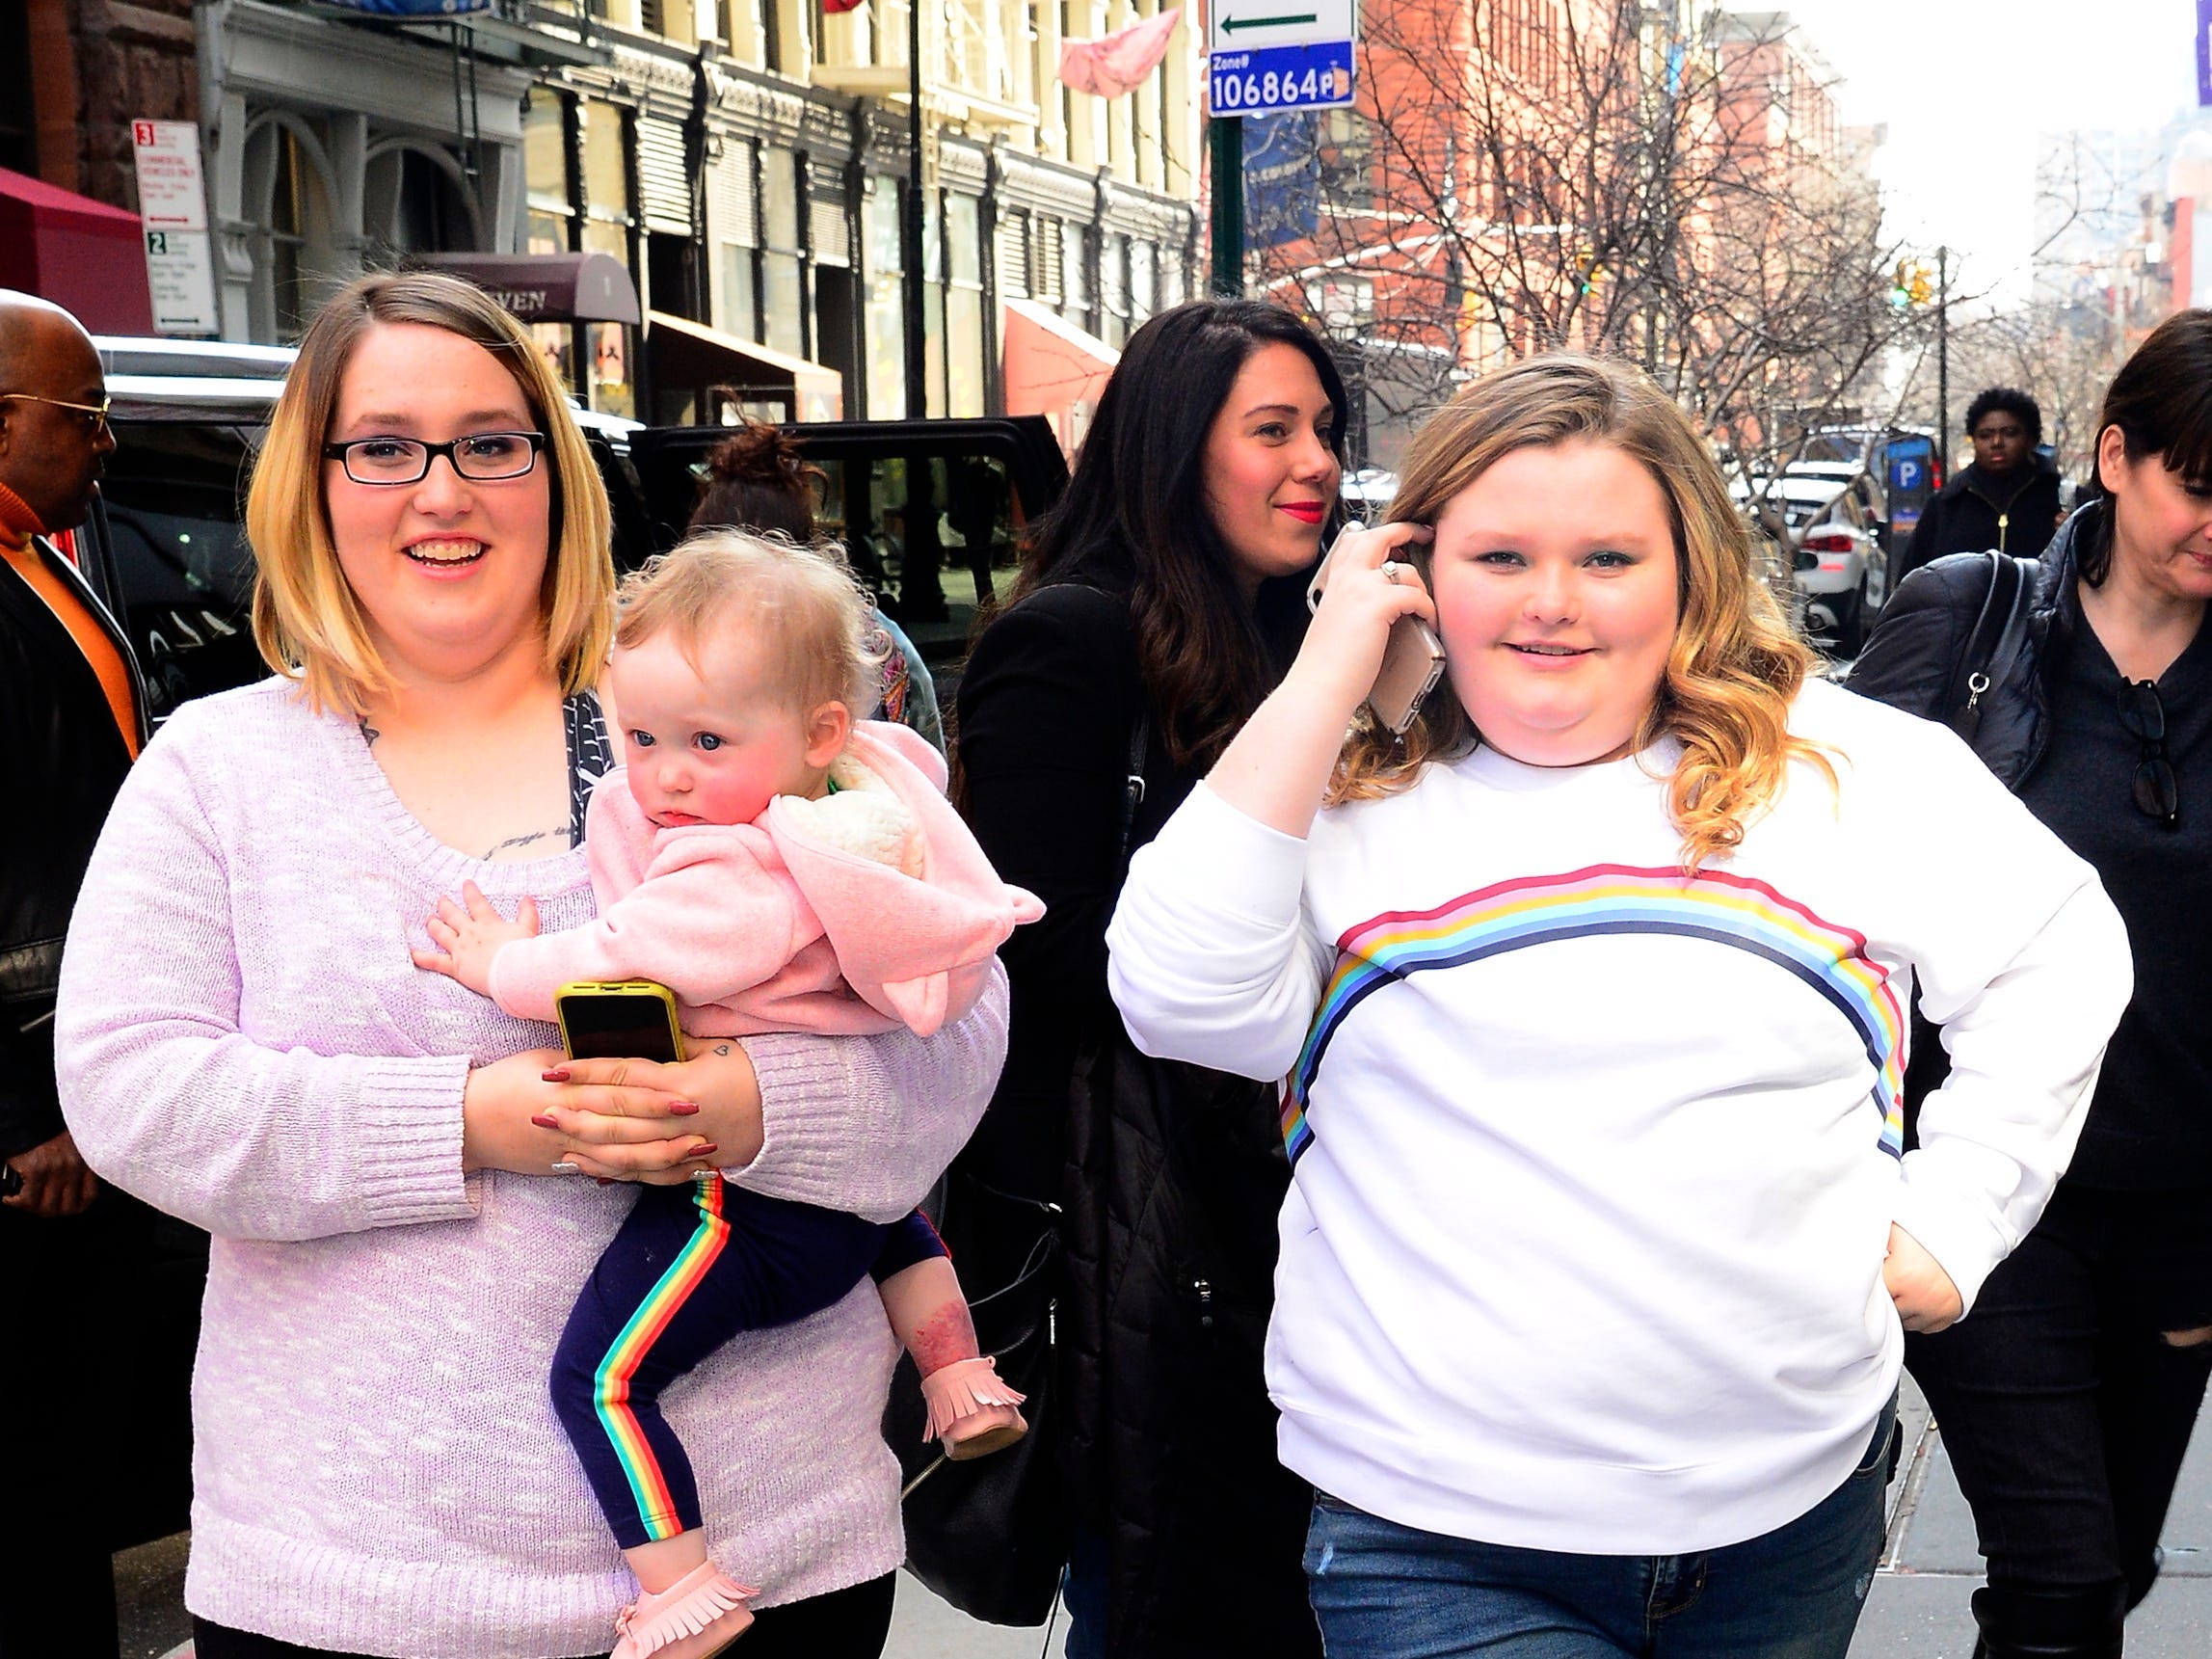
[[66, 761], [1973, 514], [1171, 1177]]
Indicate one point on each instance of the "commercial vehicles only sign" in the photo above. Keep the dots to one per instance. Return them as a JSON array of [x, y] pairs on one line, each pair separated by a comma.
[[173, 209], [1265, 56]]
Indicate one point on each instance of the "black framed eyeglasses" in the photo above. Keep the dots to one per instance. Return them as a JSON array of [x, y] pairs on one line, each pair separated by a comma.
[[94, 415], [2156, 794], [480, 457]]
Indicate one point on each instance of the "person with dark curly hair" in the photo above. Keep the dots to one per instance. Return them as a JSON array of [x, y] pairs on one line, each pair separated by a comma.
[[2008, 498], [759, 479]]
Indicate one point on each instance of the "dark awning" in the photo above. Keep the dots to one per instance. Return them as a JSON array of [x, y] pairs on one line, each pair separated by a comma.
[[86, 256], [546, 287]]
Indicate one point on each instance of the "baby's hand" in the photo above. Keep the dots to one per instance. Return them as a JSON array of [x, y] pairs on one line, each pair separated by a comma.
[[468, 939]]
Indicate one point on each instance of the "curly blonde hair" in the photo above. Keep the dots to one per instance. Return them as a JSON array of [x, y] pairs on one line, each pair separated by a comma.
[[1734, 666]]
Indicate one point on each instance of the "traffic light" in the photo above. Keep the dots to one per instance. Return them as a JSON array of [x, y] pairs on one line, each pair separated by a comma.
[[1911, 283]]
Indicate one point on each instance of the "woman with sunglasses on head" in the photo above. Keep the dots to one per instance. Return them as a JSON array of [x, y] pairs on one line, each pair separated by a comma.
[[1600, 1242], [397, 1175], [2067, 1400]]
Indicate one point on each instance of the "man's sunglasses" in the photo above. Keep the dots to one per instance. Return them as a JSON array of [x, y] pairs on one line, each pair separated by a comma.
[[2156, 794], [94, 415]]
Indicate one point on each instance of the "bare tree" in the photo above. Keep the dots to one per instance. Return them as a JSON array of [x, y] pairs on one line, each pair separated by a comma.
[[1663, 182]]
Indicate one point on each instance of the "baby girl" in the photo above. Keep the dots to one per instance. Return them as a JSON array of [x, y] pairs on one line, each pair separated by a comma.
[[780, 867]]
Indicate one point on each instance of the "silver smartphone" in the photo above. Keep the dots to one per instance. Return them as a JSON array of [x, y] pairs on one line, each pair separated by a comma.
[[1412, 659]]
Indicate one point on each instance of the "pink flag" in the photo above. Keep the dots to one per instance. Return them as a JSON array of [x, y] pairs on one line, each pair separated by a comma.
[[1117, 62]]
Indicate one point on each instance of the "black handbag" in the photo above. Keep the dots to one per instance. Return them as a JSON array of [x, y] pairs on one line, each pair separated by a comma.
[[991, 1536]]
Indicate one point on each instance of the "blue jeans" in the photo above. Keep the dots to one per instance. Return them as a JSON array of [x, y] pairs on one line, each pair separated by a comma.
[[1382, 1590]]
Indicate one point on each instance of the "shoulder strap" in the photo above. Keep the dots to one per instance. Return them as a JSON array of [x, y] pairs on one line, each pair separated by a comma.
[[1132, 788], [591, 756], [1999, 634]]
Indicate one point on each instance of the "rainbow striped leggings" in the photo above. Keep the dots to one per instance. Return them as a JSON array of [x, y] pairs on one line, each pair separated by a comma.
[[691, 1268]]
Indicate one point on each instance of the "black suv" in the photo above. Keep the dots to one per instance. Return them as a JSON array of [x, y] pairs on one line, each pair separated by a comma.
[[165, 547]]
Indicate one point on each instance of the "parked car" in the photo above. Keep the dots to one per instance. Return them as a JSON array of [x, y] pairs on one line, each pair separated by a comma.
[[1900, 462], [1834, 538], [165, 547]]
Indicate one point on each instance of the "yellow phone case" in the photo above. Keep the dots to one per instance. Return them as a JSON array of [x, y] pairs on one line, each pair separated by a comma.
[[646, 990]]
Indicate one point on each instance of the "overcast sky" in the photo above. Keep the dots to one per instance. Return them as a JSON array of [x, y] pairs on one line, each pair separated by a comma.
[[1965, 85]]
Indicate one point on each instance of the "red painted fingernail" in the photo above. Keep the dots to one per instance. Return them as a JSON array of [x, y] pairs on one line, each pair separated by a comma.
[[544, 1122], [559, 1074], [706, 1151], [603, 1181], [683, 1109]]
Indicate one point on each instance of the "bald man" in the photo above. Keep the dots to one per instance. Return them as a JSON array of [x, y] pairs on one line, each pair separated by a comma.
[[71, 721]]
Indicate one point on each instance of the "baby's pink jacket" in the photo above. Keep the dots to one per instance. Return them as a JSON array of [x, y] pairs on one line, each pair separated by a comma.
[[765, 928]]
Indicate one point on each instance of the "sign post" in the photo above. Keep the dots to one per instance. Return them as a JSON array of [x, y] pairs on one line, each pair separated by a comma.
[[1265, 57], [173, 207]]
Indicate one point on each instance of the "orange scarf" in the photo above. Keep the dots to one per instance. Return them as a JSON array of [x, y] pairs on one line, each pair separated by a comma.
[[17, 525]]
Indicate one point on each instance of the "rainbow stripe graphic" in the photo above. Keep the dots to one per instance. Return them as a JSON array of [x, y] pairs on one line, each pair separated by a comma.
[[611, 1381], [1713, 905]]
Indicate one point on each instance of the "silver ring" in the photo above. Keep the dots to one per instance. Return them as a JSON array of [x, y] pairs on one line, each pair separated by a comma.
[[1390, 569]]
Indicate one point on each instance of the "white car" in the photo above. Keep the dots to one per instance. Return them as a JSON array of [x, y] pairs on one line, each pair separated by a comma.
[[1835, 539]]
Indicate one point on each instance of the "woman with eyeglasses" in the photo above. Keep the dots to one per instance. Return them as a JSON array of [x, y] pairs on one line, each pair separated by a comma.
[[2066, 1400], [395, 1173]]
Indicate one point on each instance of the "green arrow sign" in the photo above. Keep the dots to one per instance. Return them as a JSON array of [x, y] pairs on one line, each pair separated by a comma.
[[1230, 25]]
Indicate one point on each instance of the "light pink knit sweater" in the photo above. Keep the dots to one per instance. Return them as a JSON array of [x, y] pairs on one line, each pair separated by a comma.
[[243, 1042]]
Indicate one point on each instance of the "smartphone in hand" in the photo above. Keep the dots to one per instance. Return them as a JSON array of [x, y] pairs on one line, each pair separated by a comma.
[[619, 1018], [1412, 658]]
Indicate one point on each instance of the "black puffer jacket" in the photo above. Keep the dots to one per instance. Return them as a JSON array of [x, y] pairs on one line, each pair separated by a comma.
[[66, 761], [1914, 652], [1170, 1193]]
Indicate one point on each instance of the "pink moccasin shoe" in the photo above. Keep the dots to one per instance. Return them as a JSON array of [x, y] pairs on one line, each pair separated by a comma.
[[970, 1410], [698, 1616]]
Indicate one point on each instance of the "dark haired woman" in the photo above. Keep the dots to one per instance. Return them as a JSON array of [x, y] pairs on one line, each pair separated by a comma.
[[2067, 1399], [759, 479], [1157, 608]]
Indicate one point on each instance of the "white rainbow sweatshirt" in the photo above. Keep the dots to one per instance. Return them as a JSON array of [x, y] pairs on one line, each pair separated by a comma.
[[1595, 1163]]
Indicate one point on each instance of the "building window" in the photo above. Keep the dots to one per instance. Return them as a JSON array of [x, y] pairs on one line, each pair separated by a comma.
[[963, 305], [1012, 261], [783, 290], [733, 214], [885, 317], [608, 228], [550, 224], [289, 218], [288, 199], [1113, 287], [1074, 276], [1046, 261]]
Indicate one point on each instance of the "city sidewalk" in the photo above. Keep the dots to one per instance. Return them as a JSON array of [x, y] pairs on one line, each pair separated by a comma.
[[1919, 1606], [1918, 1609]]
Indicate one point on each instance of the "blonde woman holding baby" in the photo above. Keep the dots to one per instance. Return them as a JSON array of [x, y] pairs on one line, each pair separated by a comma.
[[395, 1171]]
